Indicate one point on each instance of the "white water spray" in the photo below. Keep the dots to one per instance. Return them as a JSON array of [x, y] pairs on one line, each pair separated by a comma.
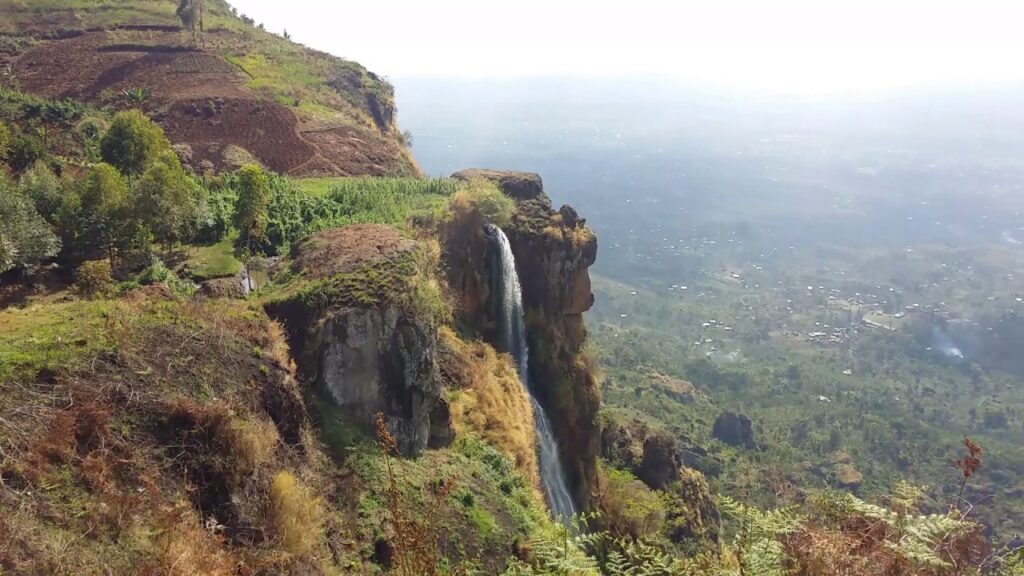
[[513, 338]]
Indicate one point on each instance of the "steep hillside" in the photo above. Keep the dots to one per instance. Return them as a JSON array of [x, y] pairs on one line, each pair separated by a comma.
[[227, 95], [210, 366]]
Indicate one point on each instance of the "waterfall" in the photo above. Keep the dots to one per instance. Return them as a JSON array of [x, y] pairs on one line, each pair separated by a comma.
[[513, 337]]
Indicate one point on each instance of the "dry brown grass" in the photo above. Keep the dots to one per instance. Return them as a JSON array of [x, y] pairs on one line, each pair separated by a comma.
[[492, 402], [482, 201], [294, 514], [186, 548], [251, 443], [150, 448]]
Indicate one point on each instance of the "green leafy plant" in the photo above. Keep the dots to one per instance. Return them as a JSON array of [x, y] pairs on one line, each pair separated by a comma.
[[136, 95], [25, 237], [757, 543], [93, 279]]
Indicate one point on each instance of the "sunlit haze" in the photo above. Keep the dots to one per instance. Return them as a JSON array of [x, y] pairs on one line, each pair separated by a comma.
[[789, 46]]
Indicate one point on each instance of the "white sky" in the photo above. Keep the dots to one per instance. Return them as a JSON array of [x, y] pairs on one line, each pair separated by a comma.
[[799, 46]]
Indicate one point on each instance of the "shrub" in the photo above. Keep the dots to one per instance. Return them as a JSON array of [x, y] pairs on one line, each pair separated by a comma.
[[158, 273], [294, 514], [483, 199], [94, 279], [629, 508], [24, 151]]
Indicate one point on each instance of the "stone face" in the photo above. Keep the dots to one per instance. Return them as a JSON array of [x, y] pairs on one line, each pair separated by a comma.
[[518, 185], [372, 358], [381, 361], [734, 429], [622, 444]]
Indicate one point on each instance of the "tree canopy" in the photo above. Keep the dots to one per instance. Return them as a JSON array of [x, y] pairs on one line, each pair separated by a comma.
[[132, 142], [253, 185], [25, 238], [166, 199]]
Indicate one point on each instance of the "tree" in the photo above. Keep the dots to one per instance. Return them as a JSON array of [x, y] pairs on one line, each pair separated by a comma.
[[25, 238], [132, 142], [104, 203], [40, 185], [251, 213], [165, 199]]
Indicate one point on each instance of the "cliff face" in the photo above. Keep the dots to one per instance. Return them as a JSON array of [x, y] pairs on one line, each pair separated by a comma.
[[553, 250], [355, 338]]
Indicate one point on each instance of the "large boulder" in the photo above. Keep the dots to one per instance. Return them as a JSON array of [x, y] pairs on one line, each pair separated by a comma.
[[844, 474], [734, 429], [660, 463], [221, 288], [356, 336]]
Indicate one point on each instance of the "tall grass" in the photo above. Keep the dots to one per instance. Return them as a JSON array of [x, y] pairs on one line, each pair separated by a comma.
[[299, 209], [388, 200]]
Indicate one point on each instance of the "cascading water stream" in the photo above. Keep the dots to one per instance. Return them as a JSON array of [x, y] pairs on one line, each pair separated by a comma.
[[513, 338]]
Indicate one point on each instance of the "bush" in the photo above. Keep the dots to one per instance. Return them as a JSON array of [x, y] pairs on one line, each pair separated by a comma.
[[24, 151], [94, 279], [483, 199], [158, 273], [42, 186], [629, 509], [294, 514]]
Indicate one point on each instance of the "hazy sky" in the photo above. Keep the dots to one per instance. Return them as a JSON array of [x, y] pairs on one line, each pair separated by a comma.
[[813, 46]]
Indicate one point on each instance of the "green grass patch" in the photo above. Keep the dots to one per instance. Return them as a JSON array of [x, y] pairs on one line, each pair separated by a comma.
[[50, 337], [50, 15], [338, 430], [215, 260], [489, 505]]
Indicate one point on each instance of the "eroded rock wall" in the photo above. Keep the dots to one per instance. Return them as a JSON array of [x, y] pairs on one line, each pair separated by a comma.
[[357, 342]]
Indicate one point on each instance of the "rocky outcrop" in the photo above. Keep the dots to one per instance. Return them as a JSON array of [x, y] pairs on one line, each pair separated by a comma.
[[656, 458], [553, 251], [734, 429], [660, 463], [844, 474], [353, 337], [518, 185], [221, 288], [692, 515]]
